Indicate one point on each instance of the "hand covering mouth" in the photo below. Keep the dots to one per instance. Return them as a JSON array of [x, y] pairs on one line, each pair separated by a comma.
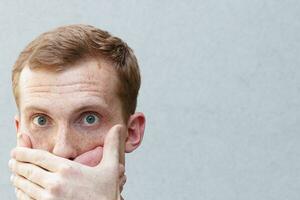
[[90, 158]]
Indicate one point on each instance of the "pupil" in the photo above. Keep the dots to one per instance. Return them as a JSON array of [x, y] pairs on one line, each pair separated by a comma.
[[90, 119], [42, 120]]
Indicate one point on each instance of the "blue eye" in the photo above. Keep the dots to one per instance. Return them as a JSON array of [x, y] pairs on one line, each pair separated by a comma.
[[40, 120], [90, 119]]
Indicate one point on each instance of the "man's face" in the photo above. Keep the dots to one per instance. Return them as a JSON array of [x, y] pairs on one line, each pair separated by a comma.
[[69, 112]]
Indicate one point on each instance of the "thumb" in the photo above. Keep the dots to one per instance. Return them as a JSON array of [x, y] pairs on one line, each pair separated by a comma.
[[113, 145], [23, 140]]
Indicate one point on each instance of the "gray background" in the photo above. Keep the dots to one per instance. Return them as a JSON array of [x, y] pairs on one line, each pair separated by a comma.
[[221, 92]]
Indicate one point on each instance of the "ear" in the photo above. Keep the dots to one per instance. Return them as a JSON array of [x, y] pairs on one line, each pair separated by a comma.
[[136, 128], [17, 123]]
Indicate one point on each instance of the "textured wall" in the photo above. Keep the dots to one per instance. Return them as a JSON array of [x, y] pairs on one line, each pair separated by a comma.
[[221, 92]]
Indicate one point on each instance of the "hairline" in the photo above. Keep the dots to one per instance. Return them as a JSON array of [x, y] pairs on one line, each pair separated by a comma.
[[58, 69]]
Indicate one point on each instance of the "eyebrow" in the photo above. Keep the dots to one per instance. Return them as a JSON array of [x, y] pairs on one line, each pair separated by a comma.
[[91, 106], [32, 107]]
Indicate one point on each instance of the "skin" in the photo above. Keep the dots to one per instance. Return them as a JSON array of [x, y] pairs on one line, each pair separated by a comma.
[[64, 101]]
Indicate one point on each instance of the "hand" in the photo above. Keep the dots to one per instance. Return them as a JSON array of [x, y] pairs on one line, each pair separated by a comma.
[[90, 158], [42, 175]]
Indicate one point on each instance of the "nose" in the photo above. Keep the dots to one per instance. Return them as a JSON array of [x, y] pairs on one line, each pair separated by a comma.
[[64, 144]]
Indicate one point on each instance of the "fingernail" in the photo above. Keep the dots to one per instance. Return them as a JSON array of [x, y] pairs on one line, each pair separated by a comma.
[[12, 178], [10, 163], [19, 136]]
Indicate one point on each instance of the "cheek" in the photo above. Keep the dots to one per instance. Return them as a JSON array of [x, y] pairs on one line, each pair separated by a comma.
[[92, 148], [88, 140], [79, 141], [42, 139], [39, 139]]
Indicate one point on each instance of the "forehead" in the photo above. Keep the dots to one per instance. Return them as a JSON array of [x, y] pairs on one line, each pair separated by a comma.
[[86, 79]]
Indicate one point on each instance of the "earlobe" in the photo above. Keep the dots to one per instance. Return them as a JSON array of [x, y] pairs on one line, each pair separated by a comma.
[[136, 128]]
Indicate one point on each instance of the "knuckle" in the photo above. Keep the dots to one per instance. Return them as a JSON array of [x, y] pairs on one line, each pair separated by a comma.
[[123, 180], [111, 166], [121, 169], [66, 169], [55, 188], [69, 170], [49, 182]]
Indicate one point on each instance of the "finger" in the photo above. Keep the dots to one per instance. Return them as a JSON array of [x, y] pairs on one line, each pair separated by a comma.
[[40, 158], [112, 145], [91, 158], [21, 195], [121, 170], [23, 140], [31, 172], [123, 180], [122, 177], [32, 190]]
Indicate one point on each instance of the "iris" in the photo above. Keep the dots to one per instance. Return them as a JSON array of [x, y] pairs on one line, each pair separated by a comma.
[[40, 120], [90, 119]]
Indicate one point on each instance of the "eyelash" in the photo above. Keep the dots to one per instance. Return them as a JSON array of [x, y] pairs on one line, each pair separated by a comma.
[[81, 118], [40, 115]]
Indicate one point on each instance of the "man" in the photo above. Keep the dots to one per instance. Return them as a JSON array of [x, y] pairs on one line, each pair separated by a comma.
[[76, 90]]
